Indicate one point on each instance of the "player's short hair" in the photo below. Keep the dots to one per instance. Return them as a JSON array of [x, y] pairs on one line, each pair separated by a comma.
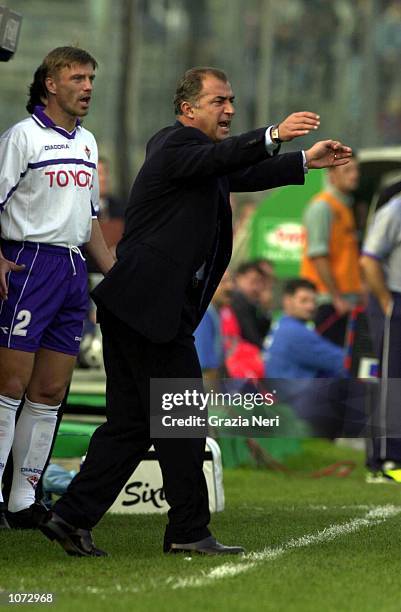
[[53, 62], [294, 284], [190, 85]]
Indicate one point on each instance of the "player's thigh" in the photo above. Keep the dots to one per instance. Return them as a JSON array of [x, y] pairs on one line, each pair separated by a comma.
[[51, 376], [64, 332], [15, 371], [35, 294]]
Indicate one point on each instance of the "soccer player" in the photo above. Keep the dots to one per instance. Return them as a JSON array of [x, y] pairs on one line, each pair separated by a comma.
[[48, 203]]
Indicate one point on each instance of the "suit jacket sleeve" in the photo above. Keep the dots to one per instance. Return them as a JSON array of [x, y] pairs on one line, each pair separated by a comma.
[[188, 153], [286, 169]]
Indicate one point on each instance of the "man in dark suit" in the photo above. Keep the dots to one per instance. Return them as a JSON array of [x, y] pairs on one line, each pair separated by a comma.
[[175, 249]]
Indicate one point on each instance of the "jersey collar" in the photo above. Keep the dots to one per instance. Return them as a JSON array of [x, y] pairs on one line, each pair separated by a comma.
[[44, 121]]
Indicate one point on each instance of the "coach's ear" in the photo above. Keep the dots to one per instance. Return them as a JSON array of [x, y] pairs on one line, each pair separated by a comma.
[[187, 110]]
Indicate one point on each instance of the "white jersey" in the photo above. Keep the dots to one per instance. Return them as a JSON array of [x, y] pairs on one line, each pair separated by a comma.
[[49, 189]]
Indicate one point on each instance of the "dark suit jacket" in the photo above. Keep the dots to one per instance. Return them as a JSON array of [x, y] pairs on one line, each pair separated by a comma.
[[179, 217]]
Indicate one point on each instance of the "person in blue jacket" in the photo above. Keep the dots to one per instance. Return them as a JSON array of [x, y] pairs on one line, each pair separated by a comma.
[[294, 350], [297, 353]]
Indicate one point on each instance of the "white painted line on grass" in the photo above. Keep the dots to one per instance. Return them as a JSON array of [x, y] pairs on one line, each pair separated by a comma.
[[375, 516]]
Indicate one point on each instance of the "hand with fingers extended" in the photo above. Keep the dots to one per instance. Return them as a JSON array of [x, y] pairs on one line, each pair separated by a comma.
[[328, 153], [297, 124], [7, 266]]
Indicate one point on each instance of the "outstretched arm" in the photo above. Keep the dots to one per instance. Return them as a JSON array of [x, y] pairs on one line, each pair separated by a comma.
[[188, 152], [297, 124], [288, 169], [327, 153]]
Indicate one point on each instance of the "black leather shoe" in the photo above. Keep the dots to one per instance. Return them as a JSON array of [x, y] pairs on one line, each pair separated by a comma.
[[207, 546], [76, 542], [28, 518]]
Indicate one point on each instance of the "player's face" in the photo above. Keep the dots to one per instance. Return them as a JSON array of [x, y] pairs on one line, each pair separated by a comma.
[[214, 108], [301, 305], [72, 89]]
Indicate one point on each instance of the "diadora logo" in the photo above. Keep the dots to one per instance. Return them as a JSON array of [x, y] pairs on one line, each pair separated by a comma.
[[88, 152], [4, 330], [27, 470], [56, 146], [63, 178]]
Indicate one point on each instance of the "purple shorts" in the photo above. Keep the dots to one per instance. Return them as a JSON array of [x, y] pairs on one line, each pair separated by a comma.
[[47, 302]]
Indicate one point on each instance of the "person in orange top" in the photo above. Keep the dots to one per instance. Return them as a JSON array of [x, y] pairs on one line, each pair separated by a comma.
[[330, 259]]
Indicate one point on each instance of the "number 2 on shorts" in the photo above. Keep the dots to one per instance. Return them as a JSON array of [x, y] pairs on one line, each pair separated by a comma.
[[24, 318]]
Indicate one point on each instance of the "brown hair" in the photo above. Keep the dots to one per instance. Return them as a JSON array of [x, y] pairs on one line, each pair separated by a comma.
[[190, 86], [53, 62]]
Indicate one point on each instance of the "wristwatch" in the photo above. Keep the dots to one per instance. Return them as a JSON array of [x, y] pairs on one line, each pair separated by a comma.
[[274, 134]]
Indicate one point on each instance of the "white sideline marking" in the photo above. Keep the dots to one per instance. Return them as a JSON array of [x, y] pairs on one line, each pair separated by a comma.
[[374, 516], [317, 507]]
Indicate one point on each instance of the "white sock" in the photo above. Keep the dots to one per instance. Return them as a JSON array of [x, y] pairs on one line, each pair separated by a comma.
[[8, 409], [32, 442]]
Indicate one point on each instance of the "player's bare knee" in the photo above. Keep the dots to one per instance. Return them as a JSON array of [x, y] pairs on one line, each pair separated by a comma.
[[13, 387], [50, 393]]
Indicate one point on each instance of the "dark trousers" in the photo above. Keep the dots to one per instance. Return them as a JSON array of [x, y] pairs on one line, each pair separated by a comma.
[[386, 413], [117, 446]]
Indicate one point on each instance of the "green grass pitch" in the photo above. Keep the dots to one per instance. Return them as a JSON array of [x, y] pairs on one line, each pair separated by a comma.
[[329, 544]]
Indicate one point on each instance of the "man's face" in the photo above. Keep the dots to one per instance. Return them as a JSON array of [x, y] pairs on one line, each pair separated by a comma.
[[301, 305], [346, 178], [72, 88], [214, 108], [251, 284]]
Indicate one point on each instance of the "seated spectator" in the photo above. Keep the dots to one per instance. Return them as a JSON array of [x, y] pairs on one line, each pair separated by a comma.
[[297, 353], [266, 295], [250, 284], [294, 350]]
